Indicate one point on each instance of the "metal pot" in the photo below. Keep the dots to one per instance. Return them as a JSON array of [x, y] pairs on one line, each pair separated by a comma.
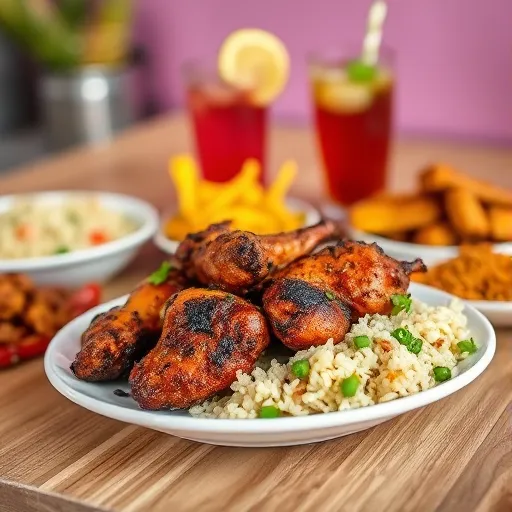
[[14, 107], [87, 106]]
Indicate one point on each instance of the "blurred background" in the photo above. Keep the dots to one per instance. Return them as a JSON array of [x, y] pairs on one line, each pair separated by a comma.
[[453, 66]]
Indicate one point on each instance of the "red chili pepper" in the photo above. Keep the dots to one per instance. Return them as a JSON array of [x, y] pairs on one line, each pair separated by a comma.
[[97, 237], [8, 356], [35, 345], [86, 298]]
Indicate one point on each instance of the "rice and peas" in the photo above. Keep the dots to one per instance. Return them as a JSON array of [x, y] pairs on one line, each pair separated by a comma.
[[381, 358], [31, 228]]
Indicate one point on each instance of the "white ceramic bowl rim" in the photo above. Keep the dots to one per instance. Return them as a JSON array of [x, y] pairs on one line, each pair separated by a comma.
[[163, 420], [146, 214]]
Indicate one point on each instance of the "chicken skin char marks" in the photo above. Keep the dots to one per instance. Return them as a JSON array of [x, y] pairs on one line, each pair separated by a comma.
[[237, 261], [208, 335], [119, 337], [319, 296]]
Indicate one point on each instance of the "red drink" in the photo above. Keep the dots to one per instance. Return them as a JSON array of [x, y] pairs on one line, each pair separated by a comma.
[[229, 127], [353, 119]]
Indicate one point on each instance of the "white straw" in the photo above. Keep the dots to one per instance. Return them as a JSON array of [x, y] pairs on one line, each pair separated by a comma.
[[373, 36]]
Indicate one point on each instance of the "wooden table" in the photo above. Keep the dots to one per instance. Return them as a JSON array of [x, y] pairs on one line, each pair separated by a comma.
[[54, 456]]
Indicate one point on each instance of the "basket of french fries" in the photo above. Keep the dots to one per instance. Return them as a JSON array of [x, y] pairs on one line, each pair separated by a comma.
[[243, 200], [448, 209]]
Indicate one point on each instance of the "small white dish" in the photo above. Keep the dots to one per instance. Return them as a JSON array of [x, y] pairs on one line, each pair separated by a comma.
[[297, 205], [100, 398], [431, 255], [95, 264]]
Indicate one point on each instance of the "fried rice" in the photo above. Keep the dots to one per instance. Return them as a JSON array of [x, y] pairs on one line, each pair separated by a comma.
[[386, 370]]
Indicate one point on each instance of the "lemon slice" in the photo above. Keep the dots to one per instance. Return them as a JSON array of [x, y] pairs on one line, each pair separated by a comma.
[[257, 60]]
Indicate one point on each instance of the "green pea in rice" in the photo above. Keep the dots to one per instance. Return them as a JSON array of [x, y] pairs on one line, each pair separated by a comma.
[[386, 369]]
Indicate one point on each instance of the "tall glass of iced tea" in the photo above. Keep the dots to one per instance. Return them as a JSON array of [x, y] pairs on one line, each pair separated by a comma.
[[229, 126], [353, 105]]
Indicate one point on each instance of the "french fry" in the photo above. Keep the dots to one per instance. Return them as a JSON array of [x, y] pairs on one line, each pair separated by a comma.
[[234, 188], [390, 215], [501, 223], [440, 233], [184, 174], [284, 179], [442, 177], [466, 214], [242, 199]]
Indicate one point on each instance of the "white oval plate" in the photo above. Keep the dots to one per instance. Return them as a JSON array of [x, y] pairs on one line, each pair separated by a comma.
[[297, 205], [100, 398], [98, 263]]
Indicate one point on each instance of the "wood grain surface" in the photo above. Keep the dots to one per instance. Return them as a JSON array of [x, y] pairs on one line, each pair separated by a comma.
[[54, 456]]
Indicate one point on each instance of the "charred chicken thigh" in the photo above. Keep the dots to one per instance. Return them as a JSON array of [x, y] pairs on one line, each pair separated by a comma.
[[318, 296], [236, 261], [208, 335], [117, 338]]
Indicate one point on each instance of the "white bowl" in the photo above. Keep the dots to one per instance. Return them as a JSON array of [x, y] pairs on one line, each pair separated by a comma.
[[284, 431], [95, 264], [297, 205], [498, 312]]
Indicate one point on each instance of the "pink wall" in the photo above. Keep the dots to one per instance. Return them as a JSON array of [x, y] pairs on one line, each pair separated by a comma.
[[454, 56]]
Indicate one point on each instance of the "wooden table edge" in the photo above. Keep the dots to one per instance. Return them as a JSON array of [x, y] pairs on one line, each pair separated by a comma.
[[16, 497]]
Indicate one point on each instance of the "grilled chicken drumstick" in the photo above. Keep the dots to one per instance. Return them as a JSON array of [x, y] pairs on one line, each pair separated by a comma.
[[236, 261], [208, 335], [117, 338], [317, 297]]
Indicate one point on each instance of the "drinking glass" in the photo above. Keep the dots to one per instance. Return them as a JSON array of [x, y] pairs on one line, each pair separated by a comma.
[[353, 107], [229, 127]]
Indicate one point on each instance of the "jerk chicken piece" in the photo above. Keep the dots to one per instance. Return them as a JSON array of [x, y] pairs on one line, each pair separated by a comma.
[[236, 261], [318, 296], [119, 337], [208, 335]]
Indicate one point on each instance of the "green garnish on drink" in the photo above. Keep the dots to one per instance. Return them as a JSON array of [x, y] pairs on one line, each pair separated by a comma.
[[401, 303], [301, 368], [468, 346], [349, 386], [442, 373], [362, 342], [269, 411], [360, 72]]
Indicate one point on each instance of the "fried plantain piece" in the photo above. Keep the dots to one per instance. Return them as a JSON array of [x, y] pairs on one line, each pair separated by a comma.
[[442, 177], [466, 214], [501, 223], [391, 214], [440, 233]]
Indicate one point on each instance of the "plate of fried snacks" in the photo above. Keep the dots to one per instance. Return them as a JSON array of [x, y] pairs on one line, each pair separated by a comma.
[[449, 209], [478, 275], [243, 200], [241, 339], [31, 315]]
